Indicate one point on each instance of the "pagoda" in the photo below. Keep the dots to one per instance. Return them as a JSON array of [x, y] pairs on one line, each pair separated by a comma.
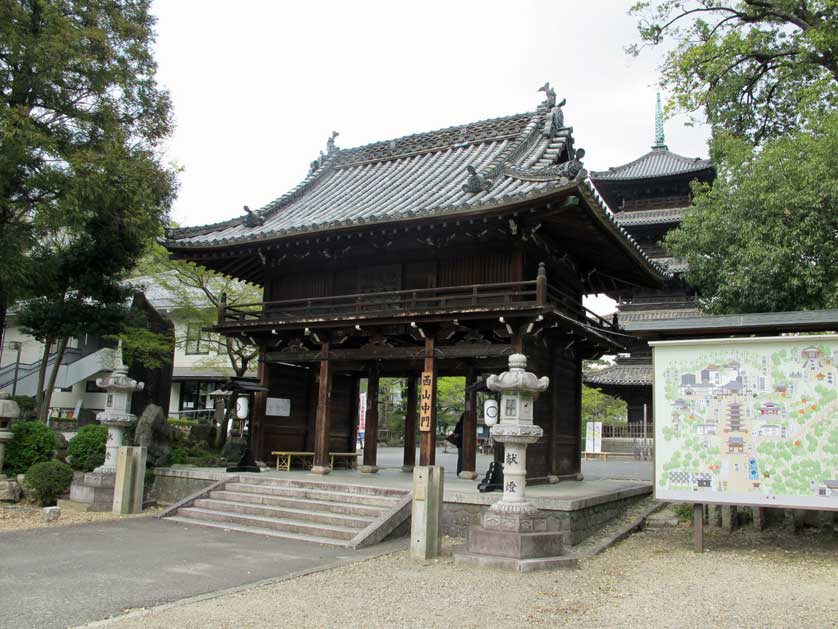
[[649, 196]]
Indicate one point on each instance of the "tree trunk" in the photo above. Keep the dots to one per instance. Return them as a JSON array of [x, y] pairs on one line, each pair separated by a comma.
[[59, 355], [223, 423], [42, 374]]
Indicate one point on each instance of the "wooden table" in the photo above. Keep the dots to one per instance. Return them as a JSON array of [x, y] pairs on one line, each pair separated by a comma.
[[351, 458], [284, 459], [605, 455]]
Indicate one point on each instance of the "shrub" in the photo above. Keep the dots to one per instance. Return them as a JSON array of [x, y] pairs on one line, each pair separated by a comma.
[[49, 480], [26, 405], [87, 448], [33, 442]]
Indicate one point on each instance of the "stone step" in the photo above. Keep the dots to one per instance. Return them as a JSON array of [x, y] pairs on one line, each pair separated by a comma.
[[253, 530], [661, 521], [332, 494], [307, 515], [298, 503], [317, 484], [263, 522]]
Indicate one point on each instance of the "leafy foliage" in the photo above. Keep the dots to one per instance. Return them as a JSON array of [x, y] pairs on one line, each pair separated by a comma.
[[82, 182], [765, 236], [87, 448], [49, 480], [196, 293], [757, 68], [33, 442], [597, 406]]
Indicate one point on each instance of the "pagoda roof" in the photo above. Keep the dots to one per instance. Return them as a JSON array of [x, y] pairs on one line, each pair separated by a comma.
[[423, 175], [659, 162]]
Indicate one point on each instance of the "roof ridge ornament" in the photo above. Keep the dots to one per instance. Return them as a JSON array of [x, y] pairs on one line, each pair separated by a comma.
[[555, 119], [660, 141], [252, 219], [476, 182], [330, 143]]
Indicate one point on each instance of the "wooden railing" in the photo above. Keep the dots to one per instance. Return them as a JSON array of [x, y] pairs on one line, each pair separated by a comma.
[[530, 293], [392, 303]]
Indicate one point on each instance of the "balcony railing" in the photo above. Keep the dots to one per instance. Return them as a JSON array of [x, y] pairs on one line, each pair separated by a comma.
[[446, 299]]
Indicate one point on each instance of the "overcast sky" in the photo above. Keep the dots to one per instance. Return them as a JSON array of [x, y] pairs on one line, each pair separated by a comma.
[[258, 86]]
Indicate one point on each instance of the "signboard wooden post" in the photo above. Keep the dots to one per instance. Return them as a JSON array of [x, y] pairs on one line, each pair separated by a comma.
[[426, 401]]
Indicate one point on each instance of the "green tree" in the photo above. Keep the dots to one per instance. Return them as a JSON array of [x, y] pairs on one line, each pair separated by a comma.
[[765, 75], [755, 68], [81, 123], [597, 406], [763, 237]]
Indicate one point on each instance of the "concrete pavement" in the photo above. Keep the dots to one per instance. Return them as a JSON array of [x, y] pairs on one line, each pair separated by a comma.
[[71, 575]]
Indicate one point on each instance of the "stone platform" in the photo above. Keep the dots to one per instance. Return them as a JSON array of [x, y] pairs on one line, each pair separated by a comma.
[[95, 493], [574, 509]]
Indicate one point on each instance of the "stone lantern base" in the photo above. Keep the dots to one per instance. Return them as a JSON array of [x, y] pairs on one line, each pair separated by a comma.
[[514, 541], [95, 493]]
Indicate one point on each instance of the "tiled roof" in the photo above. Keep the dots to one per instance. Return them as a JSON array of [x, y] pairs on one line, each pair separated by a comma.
[[650, 217], [657, 315], [616, 375], [415, 176], [658, 162]]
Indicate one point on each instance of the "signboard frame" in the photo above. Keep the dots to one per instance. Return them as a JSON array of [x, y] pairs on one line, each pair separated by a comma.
[[787, 501]]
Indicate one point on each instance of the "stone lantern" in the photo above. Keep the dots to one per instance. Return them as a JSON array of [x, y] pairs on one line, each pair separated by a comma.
[[96, 492], [117, 415], [9, 410], [513, 533]]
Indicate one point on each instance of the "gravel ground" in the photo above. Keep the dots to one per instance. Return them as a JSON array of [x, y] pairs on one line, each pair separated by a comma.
[[19, 517], [653, 579]]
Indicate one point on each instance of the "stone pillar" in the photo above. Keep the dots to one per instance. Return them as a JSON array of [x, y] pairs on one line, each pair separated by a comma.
[[371, 431], [469, 436], [426, 512], [9, 410], [409, 459], [323, 417], [513, 533]]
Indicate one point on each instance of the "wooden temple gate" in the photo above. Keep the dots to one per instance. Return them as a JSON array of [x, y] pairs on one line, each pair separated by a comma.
[[390, 261]]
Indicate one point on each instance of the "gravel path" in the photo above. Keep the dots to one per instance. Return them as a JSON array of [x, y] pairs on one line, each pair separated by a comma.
[[653, 579], [20, 517]]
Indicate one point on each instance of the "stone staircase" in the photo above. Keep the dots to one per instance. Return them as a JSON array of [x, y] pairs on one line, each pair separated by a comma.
[[351, 516]]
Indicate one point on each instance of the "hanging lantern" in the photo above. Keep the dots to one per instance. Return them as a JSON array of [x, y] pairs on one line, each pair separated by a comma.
[[490, 412], [242, 406]]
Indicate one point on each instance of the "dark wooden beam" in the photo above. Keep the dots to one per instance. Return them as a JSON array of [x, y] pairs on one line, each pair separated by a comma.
[[469, 435], [427, 440], [323, 418], [369, 353], [410, 425], [371, 431]]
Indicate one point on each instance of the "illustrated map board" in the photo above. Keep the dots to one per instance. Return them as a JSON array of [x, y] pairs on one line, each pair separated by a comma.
[[747, 421]]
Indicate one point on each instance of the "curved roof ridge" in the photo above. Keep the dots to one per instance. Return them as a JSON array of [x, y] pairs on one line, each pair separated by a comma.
[[658, 162]]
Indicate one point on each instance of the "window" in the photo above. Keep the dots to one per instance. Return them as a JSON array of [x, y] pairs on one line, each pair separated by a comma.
[[196, 343], [91, 387]]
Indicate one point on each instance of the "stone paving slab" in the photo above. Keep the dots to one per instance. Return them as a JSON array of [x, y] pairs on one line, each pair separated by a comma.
[[72, 575]]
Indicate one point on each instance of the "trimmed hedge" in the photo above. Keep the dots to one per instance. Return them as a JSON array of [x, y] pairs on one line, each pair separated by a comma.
[[49, 480], [34, 442], [87, 448]]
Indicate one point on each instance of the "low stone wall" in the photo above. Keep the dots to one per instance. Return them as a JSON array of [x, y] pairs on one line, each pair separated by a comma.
[[171, 484], [575, 525]]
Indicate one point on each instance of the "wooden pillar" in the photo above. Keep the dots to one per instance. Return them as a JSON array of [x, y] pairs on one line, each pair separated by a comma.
[[323, 417], [698, 528], [469, 437], [371, 431], [257, 415], [409, 460], [427, 440]]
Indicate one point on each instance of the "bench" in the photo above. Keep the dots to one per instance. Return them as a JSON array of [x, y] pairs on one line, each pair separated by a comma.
[[350, 459], [604, 455], [284, 459]]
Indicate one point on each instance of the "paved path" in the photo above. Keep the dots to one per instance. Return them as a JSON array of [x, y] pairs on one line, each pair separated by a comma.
[[71, 575], [620, 469]]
